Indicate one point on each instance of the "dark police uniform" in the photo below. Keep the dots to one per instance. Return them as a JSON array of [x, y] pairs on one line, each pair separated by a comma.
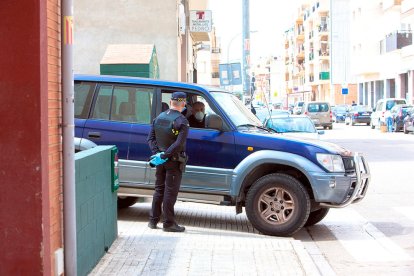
[[168, 134]]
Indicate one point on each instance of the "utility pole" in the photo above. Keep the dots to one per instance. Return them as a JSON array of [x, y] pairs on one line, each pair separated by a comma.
[[68, 129], [246, 48]]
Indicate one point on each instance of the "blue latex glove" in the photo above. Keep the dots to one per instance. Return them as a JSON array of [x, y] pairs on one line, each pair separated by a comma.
[[156, 159]]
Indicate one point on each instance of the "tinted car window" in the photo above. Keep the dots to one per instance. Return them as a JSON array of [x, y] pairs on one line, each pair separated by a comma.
[[103, 101], [83, 96], [318, 107], [123, 103], [391, 103]]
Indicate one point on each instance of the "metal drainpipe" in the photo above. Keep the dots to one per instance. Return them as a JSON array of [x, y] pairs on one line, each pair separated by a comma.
[[69, 203]]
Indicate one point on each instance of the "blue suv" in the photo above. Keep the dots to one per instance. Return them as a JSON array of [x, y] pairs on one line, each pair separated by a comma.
[[284, 183]]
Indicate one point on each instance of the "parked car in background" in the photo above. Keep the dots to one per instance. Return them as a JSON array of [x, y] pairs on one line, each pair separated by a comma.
[[339, 113], [399, 112], [297, 109], [408, 125], [358, 114], [377, 116], [293, 125], [319, 112], [290, 108]]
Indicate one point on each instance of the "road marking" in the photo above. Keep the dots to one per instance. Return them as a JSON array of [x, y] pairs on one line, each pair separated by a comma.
[[406, 211], [361, 238]]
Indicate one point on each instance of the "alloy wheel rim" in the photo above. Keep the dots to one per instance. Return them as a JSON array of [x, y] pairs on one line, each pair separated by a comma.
[[276, 206]]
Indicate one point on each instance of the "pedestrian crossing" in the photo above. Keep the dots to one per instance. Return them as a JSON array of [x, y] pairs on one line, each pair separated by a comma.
[[408, 212], [363, 241]]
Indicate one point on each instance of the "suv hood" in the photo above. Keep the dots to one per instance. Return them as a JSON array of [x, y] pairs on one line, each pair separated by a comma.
[[296, 145]]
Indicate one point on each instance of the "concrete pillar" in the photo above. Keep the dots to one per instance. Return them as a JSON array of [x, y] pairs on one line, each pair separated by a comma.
[[24, 205], [410, 86], [386, 89], [372, 95], [398, 92]]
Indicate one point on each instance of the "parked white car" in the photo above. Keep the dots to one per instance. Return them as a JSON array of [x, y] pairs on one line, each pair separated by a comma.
[[377, 116]]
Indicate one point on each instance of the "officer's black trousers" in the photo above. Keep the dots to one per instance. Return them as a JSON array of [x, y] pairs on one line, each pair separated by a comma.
[[167, 184]]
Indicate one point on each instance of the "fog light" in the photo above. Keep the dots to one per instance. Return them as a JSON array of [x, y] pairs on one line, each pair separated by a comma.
[[332, 183]]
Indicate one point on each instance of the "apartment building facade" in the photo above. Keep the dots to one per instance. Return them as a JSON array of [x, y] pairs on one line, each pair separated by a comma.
[[382, 49], [165, 24], [317, 53], [207, 61]]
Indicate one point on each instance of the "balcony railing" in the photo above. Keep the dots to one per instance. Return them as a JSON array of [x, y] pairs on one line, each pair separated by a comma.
[[311, 55], [323, 28], [323, 52], [310, 34], [397, 40], [311, 78], [216, 50]]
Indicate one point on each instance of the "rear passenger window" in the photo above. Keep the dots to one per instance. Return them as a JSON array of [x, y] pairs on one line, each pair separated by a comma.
[[83, 97], [318, 107], [313, 108], [323, 107], [124, 103], [103, 101]]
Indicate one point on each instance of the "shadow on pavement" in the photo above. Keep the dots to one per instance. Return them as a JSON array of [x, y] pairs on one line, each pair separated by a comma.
[[195, 215]]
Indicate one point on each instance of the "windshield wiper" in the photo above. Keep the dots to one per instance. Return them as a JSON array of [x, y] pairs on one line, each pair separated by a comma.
[[259, 127]]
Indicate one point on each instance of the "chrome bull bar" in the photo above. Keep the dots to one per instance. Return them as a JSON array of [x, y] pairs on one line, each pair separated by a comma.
[[363, 178]]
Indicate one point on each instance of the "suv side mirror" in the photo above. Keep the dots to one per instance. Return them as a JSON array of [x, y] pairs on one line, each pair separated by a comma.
[[214, 121]]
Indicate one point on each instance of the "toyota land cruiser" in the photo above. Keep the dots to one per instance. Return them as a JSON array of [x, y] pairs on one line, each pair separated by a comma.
[[283, 183]]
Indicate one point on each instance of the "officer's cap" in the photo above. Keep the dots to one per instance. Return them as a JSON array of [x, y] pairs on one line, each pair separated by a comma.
[[179, 96]]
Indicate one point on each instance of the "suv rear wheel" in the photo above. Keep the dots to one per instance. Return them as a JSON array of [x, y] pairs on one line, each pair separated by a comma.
[[125, 202], [277, 205]]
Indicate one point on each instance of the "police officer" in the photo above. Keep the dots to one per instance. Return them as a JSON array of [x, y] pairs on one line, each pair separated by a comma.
[[167, 140]]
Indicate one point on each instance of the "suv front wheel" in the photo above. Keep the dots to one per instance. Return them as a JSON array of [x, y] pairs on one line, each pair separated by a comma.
[[278, 205]]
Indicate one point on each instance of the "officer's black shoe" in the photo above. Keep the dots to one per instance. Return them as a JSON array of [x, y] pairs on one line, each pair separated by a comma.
[[174, 228], [152, 225]]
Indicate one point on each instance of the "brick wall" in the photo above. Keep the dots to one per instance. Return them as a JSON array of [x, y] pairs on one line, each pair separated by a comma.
[[54, 131]]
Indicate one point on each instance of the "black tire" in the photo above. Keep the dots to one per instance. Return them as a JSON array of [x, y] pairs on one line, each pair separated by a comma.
[[316, 216], [368, 124], [125, 202], [288, 198]]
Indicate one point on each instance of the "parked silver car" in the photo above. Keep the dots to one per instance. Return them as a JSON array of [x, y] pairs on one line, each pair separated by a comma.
[[319, 112]]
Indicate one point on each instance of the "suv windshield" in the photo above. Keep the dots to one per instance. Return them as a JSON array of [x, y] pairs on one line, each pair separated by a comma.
[[235, 109]]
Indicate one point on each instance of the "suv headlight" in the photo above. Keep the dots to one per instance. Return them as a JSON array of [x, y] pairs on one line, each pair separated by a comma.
[[331, 162]]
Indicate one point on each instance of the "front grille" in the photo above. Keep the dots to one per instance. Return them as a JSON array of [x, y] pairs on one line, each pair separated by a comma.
[[349, 164]]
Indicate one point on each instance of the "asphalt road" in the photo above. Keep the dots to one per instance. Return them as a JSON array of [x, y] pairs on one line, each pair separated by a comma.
[[375, 236]]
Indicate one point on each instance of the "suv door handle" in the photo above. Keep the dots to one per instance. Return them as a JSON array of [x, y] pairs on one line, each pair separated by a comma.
[[94, 134]]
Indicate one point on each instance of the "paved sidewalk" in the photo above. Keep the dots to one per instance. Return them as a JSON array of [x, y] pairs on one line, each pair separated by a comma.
[[216, 242]]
